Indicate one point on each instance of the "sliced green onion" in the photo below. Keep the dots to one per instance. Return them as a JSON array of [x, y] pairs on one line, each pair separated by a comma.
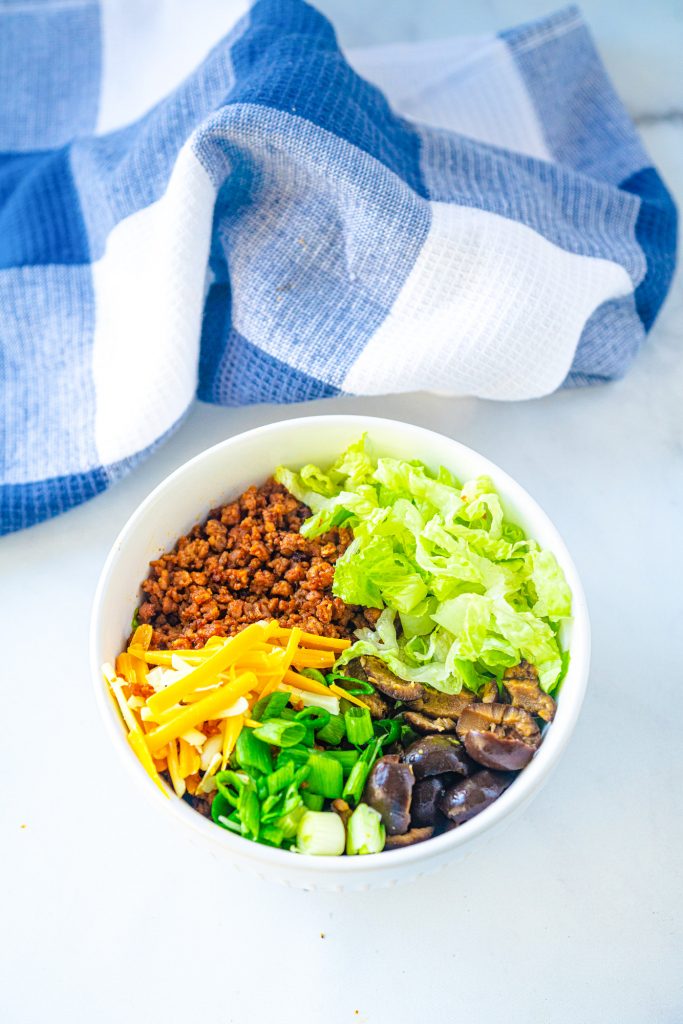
[[302, 773], [289, 823], [271, 706], [262, 787], [315, 717], [280, 778], [252, 753], [272, 835], [353, 788], [232, 823], [358, 726], [229, 786], [346, 758], [326, 777], [291, 799], [309, 737], [358, 686], [221, 808], [389, 730], [314, 801], [270, 806], [280, 733], [299, 755], [313, 673], [365, 832], [334, 732], [249, 810], [321, 833]]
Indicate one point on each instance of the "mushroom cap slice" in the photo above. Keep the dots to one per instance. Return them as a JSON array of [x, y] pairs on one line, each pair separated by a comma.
[[389, 790], [504, 753], [424, 807], [489, 694], [499, 736], [523, 691], [421, 723], [500, 718], [443, 705], [471, 796], [436, 755], [376, 705], [416, 835], [385, 680]]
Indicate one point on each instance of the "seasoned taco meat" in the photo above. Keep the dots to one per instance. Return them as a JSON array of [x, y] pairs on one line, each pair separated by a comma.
[[247, 561]]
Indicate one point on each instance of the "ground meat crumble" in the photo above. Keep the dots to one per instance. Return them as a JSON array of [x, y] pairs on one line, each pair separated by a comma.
[[247, 561]]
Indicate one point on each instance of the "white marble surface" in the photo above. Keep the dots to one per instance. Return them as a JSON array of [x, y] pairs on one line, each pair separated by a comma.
[[575, 914]]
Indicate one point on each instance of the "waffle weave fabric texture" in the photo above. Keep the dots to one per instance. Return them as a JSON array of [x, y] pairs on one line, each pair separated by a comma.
[[235, 209]]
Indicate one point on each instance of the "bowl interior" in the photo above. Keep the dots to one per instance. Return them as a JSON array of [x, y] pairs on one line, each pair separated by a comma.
[[219, 475]]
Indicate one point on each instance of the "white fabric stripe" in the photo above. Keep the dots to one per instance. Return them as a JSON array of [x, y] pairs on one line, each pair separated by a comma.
[[458, 325], [470, 85], [149, 294], [150, 46]]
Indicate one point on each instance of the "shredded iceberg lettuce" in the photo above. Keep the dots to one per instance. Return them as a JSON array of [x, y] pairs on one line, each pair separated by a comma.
[[463, 592]]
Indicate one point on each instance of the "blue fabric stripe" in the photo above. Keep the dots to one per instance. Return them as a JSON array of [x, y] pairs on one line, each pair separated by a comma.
[[41, 221], [297, 217], [584, 122], [26, 504], [246, 375], [656, 232], [23, 505], [320, 86], [586, 217], [50, 70], [125, 171], [611, 338], [47, 396]]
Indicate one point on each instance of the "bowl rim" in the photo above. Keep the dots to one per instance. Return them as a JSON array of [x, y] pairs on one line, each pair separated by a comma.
[[527, 783]]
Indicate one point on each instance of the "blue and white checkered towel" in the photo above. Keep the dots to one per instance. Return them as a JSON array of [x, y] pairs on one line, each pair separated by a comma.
[[256, 223]]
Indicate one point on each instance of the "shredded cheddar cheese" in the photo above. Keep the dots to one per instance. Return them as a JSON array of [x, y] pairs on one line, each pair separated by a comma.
[[202, 699]]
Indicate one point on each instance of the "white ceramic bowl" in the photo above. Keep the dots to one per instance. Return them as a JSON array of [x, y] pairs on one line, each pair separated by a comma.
[[219, 475]]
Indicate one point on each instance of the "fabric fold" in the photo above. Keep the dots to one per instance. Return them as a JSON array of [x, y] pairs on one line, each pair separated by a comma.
[[472, 217]]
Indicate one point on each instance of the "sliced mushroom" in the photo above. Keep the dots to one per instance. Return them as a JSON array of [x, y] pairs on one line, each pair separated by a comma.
[[499, 736], [421, 723], [424, 807], [523, 691], [443, 705], [471, 796], [489, 694], [435, 755], [416, 835], [385, 680], [504, 753], [354, 669], [376, 704], [490, 717], [389, 789]]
